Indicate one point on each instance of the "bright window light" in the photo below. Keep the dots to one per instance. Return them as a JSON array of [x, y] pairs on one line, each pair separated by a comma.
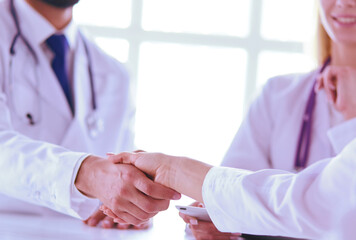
[[223, 17], [105, 13], [192, 93], [189, 99], [272, 64], [288, 20], [117, 48]]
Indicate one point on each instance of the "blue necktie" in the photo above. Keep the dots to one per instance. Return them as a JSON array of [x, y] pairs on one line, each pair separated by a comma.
[[59, 45]]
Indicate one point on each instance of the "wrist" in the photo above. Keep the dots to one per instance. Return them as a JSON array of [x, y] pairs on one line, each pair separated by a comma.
[[166, 171], [85, 180], [189, 177]]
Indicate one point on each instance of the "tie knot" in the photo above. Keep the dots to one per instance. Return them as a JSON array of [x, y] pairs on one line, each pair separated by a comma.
[[58, 44]]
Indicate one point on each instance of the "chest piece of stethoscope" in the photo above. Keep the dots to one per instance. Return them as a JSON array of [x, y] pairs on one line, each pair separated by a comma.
[[95, 125]]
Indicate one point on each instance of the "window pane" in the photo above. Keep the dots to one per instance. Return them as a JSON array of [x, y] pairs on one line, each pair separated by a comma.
[[223, 17], [117, 48], [271, 64], [112, 13], [288, 20], [189, 99]]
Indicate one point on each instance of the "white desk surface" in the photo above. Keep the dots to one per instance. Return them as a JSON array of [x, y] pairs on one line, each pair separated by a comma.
[[166, 225]]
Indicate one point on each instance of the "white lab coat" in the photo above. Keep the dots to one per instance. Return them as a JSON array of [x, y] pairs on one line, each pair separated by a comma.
[[283, 204], [274, 202], [39, 163], [269, 134]]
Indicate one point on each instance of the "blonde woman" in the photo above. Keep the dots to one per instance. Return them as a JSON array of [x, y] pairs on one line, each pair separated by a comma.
[[302, 118]]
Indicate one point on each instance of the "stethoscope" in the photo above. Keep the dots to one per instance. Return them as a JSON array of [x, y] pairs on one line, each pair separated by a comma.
[[302, 152], [95, 124]]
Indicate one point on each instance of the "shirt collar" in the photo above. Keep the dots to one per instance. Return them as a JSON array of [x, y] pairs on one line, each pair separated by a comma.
[[38, 28]]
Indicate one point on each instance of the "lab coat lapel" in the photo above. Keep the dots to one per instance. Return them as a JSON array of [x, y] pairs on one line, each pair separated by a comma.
[[81, 83], [77, 138], [51, 91]]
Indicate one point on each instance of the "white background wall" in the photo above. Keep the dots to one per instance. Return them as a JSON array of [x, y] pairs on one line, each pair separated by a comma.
[[197, 63]]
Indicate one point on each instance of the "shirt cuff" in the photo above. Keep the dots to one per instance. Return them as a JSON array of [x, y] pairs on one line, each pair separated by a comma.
[[342, 134], [218, 195], [81, 204]]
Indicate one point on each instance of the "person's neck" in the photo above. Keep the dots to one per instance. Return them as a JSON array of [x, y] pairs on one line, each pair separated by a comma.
[[58, 17], [343, 55]]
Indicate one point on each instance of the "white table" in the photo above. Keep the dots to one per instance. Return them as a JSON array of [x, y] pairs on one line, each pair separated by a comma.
[[166, 225]]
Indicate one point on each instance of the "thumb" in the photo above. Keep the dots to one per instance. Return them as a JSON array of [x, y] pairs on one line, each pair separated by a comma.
[[139, 151], [123, 157]]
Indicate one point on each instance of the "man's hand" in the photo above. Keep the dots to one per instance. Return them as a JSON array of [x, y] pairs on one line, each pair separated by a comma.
[[100, 219], [182, 174], [125, 190], [339, 84], [157, 165]]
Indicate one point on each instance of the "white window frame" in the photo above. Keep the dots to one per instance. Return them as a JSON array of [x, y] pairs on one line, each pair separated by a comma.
[[253, 43]]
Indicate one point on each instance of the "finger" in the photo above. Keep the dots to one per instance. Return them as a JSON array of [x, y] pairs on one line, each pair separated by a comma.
[[204, 236], [150, 205], [155, 190], [206, 227], [120, 221], [191, 220], [329, 81], [94, 219], [142, 226], [123, 226], [197, 204], [139, 151], [319, 83], [185, 218], [108, 212], [108, 222], [341, 95], [123, 157], [136, 211], [128, 218]]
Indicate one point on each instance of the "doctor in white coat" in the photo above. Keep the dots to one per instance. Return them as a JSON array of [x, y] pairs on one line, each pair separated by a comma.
[[290, 126], [311, 204], [54, 134]]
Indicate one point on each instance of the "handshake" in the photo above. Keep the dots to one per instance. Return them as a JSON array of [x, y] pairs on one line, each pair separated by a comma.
[[133, 187]]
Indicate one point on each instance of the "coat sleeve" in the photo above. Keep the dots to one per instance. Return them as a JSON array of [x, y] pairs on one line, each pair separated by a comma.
[[39, 172], [250, 148], [275, 202], [342, 134]]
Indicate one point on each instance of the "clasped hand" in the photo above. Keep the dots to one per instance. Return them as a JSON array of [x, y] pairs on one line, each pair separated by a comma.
[[152, 166], [128, 194]]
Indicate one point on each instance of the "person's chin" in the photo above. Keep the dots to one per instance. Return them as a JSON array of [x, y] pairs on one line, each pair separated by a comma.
[[61, 3]]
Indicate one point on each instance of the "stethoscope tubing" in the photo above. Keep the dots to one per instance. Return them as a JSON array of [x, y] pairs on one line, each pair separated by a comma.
[[303, 146], [33, 53]]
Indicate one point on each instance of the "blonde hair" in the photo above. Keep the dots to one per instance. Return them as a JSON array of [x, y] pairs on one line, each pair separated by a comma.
[[323, 41]]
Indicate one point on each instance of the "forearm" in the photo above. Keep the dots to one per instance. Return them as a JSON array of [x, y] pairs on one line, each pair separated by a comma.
[[303, 205], [40, 173], [188, 177]]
